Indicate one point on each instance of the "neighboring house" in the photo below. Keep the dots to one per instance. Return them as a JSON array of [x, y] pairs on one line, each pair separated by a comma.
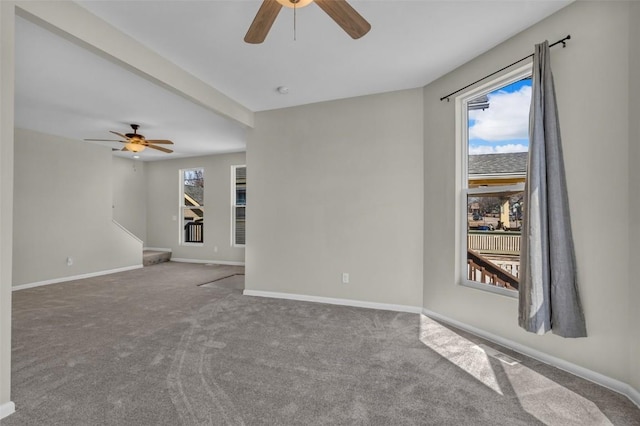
[[193, 217], [497, 169], [491, 253], [191, 196]]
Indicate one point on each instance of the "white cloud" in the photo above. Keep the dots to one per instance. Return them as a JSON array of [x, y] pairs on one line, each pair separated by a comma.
[[506, 118], [500, 149]]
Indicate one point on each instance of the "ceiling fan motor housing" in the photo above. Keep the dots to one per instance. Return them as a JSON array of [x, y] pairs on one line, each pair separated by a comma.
[[135, 134]]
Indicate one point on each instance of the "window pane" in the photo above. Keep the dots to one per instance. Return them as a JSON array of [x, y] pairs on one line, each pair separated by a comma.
[[241, 196], [241, 186], [193, 222], [194, 187], [192, 211], [497, 155], [493, 238], [240, 225], [241, 174], [239, 189], [499, 123]]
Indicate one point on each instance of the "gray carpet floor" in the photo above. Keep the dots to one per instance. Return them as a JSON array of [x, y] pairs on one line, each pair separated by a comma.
[[178, 344]]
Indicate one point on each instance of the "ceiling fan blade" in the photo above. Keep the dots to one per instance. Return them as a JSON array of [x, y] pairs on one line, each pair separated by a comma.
[[263, 21], [103, 140], [159, 148], [119, 134], [159, 141], [345, 16]]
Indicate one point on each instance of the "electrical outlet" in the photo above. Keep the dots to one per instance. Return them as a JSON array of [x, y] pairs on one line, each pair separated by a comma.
[[345, 278], [69, 261], [215, 249]]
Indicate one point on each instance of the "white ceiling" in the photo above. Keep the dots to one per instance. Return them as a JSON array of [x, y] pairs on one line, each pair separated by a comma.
[[65, 90]]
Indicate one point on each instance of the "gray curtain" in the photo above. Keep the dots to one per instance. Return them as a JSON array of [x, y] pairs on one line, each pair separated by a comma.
[[549, 298]]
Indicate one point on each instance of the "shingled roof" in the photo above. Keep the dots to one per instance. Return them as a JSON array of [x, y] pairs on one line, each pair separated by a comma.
[[497, 164], [194, 192]]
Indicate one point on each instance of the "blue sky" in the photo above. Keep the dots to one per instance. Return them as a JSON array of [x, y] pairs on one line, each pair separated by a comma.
[[504, 126]]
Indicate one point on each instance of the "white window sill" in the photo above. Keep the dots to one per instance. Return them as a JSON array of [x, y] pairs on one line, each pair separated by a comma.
[[490, 288]]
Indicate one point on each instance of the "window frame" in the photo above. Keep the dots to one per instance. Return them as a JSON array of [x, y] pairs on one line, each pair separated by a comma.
[[182, 206], [234, 205], [462, 176]]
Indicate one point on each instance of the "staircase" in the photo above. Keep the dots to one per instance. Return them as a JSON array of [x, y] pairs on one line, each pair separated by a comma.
[[485, 271], [153, 257]]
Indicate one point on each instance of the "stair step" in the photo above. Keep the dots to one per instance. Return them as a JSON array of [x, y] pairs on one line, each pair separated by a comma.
[[153, 257]]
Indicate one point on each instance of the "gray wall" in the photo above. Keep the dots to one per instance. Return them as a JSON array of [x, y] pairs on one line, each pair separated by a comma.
[[337, 187], [62, 208], [592, 82], [6, 197], [634, 194], [130, 195], [163, 196]]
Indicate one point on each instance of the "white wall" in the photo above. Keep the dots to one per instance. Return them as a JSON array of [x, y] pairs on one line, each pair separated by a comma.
[[130, 195], [592, 84], [163, 196], [634, 194], [337, 187], [62, 208]]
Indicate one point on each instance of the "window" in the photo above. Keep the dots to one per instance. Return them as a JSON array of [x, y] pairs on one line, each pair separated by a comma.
[[494, 143], [192, 206], [238, 204]]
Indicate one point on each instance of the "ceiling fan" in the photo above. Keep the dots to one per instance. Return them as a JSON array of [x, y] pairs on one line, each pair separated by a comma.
[[136, 142], [339, 10]]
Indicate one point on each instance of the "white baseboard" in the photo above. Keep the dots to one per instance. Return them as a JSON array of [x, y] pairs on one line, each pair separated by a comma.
[[600, 379], [633, 395], [215, 262], [334, 301], [157, 249], [7, 409], [74, 277]]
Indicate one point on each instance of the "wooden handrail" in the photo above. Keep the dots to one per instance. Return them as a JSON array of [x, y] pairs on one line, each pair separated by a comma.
[[489, 272]]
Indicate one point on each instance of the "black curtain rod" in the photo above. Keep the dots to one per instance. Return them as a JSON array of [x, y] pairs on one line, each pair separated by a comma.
[[564, 44]]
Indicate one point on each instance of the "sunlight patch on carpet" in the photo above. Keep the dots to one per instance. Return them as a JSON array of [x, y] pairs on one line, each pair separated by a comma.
[[496, 354], [459, 351], [538, 395]]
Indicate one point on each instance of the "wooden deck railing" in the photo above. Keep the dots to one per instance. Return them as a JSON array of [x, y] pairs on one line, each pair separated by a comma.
[[484, 271], [193, 232], [499, 242]]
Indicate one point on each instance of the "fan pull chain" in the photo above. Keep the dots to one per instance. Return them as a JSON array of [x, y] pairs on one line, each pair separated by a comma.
[[294, 20]]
